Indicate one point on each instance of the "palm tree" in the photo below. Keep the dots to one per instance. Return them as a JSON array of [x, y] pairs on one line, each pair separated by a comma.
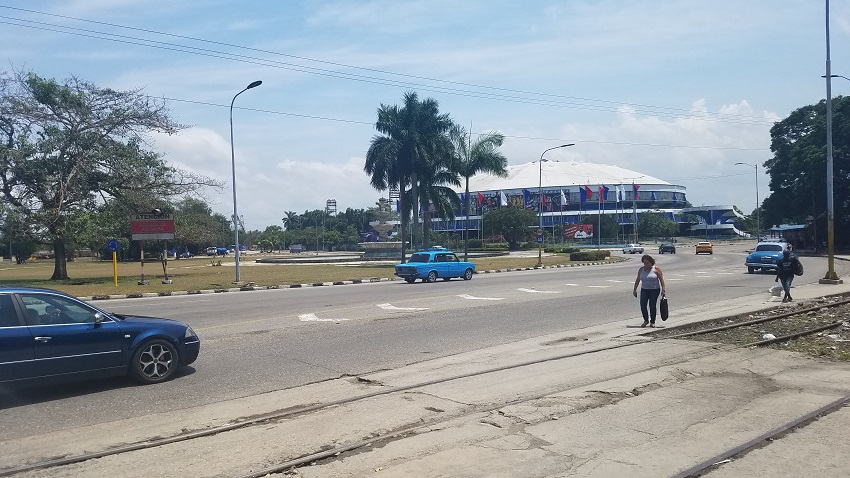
[[292, 219], [402, 153], [480, 156]]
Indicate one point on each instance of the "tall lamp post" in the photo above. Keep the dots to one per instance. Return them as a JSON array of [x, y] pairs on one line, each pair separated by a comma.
[[540, 202], [831, 277], [284, 232], [253, 84], [758, 209]]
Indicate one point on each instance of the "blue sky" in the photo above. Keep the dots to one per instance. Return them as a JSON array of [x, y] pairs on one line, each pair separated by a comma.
[[679, 90]]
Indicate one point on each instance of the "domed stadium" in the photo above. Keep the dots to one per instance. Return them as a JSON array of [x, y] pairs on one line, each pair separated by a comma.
[[572, 190]]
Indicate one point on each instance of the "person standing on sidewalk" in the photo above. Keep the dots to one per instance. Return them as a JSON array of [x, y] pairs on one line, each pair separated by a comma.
[[785, 269], [651, 281]]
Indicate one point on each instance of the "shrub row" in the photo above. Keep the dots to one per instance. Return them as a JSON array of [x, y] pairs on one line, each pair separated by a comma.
[[595, 255]]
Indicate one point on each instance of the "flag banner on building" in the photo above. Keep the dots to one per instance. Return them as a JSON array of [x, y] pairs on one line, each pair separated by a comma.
[[544, 203], [675, 198], [480, 199], [621, 193], [654, 197], [504, 199], [564, 201], [603, 193], [588, 193], [526, 198], [636, 187]]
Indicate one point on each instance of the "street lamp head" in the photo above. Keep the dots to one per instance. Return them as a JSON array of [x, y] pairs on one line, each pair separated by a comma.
[[254, 84], [565, 145]]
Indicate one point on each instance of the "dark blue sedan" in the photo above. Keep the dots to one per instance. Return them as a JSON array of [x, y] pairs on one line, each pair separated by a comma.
[[46, 334]]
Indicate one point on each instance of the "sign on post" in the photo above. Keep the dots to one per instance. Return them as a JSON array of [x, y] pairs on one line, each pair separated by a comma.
[[144, 226]]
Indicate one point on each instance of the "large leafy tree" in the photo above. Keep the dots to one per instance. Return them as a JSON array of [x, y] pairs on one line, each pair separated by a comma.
[[654, 224], [74, 145], [402, 152], [476, 157], [798, 169], [511, 222]]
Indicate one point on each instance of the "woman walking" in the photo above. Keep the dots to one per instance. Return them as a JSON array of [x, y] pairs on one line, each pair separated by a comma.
[[651, 281]]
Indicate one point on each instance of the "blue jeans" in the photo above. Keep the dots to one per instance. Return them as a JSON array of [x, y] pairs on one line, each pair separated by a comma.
[[649, 297], [786, 284]]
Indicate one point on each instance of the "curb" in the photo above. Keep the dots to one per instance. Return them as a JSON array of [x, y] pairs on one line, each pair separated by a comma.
[[252, 287]]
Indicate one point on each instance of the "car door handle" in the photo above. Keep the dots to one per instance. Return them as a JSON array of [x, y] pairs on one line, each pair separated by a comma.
[[43, 339]]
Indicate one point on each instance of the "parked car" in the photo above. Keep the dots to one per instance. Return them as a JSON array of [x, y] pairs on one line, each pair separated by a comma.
[[765, 256], [704, 247], [633, 249], [186, 255], [46, 334], [433, 263], [668, 247], [211, 251]]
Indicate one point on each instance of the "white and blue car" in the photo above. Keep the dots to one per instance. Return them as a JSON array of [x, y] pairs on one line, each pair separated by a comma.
[[765, 256], [436, 262]]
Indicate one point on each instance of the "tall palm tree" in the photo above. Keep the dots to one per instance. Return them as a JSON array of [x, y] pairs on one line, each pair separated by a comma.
[[402, 153], [475, 157]]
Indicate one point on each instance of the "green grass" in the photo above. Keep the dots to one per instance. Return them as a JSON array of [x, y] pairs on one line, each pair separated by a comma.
[[95, 278]]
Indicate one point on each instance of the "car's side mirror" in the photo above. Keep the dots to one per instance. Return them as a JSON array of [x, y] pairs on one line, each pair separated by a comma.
[[99, 318]]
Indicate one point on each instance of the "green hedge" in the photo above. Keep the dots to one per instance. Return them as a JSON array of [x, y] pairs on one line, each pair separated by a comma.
[[496, 246], [561, 249], [595, 255]]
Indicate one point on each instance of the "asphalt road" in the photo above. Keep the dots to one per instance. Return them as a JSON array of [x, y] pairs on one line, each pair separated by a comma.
[[260, 341]]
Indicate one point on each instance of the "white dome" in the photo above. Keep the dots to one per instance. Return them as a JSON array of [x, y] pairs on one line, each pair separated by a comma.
[[560, 174]]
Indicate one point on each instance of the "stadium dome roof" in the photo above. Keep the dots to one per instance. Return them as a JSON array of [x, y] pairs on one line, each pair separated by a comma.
[[556, 174]]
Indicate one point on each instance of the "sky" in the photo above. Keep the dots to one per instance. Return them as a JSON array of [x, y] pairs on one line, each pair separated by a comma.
[[675, 89]]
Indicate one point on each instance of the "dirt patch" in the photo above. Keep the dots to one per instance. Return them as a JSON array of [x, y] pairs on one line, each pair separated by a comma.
[[831, 344]]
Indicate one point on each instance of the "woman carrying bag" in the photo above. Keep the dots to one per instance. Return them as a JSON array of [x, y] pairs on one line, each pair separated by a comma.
[[651, 281]]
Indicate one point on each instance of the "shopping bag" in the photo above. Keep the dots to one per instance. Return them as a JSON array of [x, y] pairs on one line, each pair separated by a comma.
[[665, 312]]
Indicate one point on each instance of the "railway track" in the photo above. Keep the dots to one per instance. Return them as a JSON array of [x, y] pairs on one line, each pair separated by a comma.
[[327, 452]]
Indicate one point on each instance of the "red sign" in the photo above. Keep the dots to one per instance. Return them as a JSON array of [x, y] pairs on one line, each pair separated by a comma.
[[152, 226]]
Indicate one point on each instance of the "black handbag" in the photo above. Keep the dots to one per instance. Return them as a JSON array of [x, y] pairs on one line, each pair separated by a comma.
[[665, 312]]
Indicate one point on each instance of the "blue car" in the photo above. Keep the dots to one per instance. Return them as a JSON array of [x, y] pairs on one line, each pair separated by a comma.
[[46, 334], [434, 263], [765, 256]]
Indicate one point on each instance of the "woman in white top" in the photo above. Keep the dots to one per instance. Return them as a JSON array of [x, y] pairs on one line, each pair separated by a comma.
[[651, 280]]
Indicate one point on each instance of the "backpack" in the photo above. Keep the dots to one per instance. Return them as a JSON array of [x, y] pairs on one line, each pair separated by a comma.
[[798, 267]]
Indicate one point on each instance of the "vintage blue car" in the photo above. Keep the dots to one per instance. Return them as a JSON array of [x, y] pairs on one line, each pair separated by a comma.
[[433, 263], [765, 256]]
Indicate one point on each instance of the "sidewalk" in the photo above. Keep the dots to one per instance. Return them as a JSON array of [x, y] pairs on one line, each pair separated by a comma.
[[542, 407]]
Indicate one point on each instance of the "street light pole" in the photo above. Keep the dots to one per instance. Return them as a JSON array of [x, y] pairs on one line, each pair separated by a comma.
[[540, 202], [758, 208], [831, 277], [284, 232], [253, 84]]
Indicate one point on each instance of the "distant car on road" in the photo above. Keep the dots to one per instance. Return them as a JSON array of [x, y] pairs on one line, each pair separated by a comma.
[[633, 249], [46, 334], [668, 247], [433, 263], [704, 247], [765, 256]]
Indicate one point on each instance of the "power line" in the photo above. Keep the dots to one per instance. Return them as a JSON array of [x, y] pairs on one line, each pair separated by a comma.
[[519, 96]]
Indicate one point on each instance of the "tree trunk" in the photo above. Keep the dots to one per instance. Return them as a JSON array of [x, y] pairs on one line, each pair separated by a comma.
[[414, 194], [60, 264], [403, 215], [426, 226], [466, 221]]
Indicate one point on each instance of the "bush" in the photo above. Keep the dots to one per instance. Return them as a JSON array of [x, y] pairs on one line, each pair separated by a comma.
[[475, 243], [595, 255], [561, 249], [496, 246]]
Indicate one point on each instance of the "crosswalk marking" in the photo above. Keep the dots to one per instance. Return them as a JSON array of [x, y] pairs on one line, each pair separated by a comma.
[[532, 291]]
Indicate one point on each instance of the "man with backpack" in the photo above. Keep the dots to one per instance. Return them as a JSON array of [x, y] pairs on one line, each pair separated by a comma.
[[786, 269]]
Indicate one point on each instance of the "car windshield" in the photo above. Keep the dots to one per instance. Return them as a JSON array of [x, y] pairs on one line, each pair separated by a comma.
[[419, 258], [769, 247]]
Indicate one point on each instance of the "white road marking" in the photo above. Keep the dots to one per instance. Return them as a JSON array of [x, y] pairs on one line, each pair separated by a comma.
[[726, 273], [532, 291], [615, 280], [572, 285], [472, 297], [313, 318], [392, 307], [598, 286], [675, 279]]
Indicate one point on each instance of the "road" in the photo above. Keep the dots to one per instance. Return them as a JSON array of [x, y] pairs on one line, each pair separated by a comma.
[[261, 341]]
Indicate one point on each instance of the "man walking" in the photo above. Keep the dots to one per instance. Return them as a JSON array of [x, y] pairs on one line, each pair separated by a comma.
[[785, 269]]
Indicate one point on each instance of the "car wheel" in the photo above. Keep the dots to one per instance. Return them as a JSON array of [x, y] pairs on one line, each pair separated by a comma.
[[751, 270], [410, 280], [467, 274], [154, 361], [432, 276]]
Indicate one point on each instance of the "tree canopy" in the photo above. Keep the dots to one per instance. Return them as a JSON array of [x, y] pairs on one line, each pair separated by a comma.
[[70, 147]]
